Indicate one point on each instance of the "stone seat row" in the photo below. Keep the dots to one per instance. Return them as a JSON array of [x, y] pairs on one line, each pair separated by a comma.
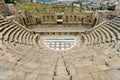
[[13, 32], [26, 57], [79, 66], [39, 63], [108, 32]]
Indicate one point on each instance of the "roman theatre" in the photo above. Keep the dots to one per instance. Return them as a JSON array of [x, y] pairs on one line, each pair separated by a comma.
[[58, 42]]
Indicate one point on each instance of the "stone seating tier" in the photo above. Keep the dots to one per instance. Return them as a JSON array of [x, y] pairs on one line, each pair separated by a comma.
[[22, 56], [108, 32]]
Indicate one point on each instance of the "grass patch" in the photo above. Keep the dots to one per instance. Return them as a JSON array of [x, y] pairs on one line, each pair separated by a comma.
[[29, 6]]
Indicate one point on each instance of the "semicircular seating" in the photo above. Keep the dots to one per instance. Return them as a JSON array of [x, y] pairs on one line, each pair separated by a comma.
[[21, 46], [97, 63], [12, 31], [108, 32], [24, 57]]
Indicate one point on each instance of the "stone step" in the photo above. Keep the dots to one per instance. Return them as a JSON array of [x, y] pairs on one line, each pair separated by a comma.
[[61, 73], [62, 78]]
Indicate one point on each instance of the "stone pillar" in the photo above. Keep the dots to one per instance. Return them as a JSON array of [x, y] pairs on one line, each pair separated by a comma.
[[81, 7], [37, 8], [53, 9], [72, 9]]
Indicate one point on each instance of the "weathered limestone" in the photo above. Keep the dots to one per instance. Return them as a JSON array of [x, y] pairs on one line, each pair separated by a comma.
[[101, 76], [24, 59]]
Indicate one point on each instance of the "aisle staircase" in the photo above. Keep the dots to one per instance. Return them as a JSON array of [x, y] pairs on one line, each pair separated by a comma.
[[23, 58]]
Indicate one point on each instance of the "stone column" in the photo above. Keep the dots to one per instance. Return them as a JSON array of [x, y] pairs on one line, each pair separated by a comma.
[[81, 6], [72, 9]]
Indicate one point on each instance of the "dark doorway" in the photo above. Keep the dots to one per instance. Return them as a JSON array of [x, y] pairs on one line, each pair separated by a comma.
[[95, 20], [82, 20], [59, 22], [59, 19], [24, 21]]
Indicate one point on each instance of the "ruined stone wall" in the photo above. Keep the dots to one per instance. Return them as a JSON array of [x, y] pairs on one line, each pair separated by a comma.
[[78, 18], [47, 18], [117, 10], [29, 18], [100, 16], [68, 18], [3, 10], [71, 18], [51, 18], [12, 9]]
